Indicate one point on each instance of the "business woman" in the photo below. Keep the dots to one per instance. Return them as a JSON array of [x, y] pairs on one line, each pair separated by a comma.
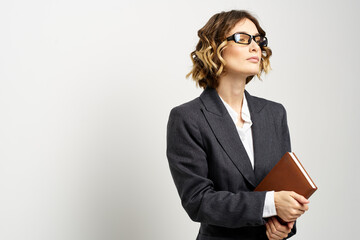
[[223, 143]]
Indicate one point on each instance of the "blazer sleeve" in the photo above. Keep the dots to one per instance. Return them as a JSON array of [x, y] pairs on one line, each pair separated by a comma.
[[286, 144], [188, 164]]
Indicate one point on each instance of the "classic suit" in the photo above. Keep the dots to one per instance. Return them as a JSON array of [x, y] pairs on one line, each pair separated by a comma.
[[211, 168]]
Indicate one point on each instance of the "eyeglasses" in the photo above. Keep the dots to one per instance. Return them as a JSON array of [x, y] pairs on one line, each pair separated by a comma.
[[244, 38]]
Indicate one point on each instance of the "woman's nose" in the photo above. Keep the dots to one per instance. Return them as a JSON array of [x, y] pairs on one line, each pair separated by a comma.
[[254, 46]]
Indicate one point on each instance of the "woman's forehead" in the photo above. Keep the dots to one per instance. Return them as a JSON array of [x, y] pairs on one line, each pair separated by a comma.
[[245, 25]]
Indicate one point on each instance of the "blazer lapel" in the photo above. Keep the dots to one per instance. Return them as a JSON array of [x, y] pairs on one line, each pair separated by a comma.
[[225, 131], [259, 130]]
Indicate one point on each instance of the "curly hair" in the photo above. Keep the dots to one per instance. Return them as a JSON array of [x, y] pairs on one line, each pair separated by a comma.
[[208, 63]]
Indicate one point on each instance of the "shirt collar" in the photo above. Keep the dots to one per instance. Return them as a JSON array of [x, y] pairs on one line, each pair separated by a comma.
[[245, 113]]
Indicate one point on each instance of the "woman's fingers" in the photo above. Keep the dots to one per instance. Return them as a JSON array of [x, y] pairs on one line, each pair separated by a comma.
[[275, 230], [270, 234], [296, 213], [276, 227]]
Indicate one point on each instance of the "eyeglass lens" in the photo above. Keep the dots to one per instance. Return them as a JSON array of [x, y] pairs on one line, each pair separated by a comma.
[[244, 38]]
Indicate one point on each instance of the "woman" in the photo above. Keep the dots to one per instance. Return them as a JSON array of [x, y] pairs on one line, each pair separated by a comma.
[[223, 143]]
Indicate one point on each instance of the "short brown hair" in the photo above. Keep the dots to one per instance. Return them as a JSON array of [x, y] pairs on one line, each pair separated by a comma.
[[208, 63]]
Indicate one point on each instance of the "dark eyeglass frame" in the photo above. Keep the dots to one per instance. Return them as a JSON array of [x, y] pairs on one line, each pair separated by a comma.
[[251, 37]]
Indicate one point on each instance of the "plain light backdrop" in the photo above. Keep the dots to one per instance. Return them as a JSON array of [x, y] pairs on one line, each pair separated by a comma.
[[86, 88]]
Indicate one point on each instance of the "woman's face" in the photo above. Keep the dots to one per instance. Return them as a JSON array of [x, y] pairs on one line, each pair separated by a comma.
[[236, 55]]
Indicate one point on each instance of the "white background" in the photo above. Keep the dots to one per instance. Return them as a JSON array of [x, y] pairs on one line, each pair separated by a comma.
[[86, 88]]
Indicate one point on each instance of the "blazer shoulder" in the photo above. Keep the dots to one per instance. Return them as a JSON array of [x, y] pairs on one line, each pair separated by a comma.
[[189, 109], [273, 106]]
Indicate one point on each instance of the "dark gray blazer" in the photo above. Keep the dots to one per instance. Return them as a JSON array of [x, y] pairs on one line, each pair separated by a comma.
[[211, 169]]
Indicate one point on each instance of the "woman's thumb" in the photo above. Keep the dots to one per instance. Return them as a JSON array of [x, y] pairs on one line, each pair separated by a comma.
[[290, 225], [299, 198]]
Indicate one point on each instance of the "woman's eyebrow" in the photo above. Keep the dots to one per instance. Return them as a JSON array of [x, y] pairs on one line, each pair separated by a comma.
[[249, 33]]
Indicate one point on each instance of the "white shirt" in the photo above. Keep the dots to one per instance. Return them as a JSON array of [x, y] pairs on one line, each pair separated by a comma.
[[245, 135]]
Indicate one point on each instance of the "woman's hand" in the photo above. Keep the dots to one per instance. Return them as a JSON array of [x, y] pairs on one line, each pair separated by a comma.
[[290, 205], [276, 231]]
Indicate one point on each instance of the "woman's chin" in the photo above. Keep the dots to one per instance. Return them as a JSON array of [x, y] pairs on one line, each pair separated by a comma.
[[241, 72]]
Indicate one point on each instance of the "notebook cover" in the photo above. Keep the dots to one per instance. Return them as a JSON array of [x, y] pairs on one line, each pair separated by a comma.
[[287, 176]]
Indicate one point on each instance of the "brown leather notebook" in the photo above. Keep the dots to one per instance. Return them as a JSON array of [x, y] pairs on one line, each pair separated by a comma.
[[288, 175]]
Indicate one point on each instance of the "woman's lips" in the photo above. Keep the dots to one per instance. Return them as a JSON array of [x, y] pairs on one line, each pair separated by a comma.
[[253, 59]]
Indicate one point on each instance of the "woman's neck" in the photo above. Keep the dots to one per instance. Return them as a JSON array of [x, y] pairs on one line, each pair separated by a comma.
[[231, 90]]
